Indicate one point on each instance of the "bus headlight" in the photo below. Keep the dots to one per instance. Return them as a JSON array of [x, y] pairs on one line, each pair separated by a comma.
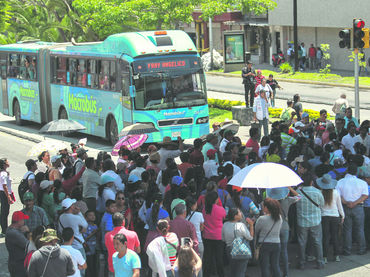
[[202, 120]]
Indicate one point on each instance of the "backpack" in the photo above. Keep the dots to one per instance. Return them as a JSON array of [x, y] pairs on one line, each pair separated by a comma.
[[75, 166], [23, 187]]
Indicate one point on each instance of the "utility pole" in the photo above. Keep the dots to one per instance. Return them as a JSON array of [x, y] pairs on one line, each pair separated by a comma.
[[357, 93], [210, 40], [295, 30]]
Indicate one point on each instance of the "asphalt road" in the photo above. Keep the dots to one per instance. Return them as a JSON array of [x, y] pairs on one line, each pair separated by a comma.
[[15, 149], [320, 94]]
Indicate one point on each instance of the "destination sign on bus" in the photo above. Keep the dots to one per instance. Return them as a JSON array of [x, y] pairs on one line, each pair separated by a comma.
[[155, 65]]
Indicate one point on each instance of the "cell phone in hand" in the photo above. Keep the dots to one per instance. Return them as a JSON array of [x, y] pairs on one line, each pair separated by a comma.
[[185, 241]]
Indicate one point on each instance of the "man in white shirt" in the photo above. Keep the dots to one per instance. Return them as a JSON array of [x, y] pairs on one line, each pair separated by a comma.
[[353, 192], [261, 113], [109, 169], [78, 260], [228, 136], [140, 167], [169, 149], [350, 139], [364, 138], [211, 166]]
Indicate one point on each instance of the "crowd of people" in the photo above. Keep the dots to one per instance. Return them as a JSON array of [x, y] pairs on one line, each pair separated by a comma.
[[172, 212]]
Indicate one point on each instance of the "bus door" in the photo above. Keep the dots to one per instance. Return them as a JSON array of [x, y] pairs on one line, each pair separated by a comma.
[[4, 103], [126, 97]]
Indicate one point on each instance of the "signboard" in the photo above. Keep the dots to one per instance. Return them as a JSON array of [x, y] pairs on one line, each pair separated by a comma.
[[165, 64], [234, 48]]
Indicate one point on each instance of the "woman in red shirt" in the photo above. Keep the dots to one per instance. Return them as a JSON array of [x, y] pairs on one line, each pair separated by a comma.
[[213, 246]]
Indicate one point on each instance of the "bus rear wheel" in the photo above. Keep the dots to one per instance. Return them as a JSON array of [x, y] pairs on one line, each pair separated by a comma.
[[63, 114], [17, 113], [112, 131]]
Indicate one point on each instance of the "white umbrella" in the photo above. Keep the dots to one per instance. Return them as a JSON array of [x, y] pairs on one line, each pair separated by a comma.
[[53, 146], [266, 175]]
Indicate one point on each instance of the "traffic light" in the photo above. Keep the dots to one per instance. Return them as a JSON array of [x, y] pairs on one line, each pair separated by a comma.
[[366, 37], [358, 34], [345, 35]]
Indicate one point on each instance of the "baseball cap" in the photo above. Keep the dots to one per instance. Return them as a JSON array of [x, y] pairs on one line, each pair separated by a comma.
[[211, 153], [133, 178], [177, 180], [19, 215], [28, 196], [106, 179], [30, 163], [68, 202], [55, 158], [49, 235], [45, 184], [304, 115]]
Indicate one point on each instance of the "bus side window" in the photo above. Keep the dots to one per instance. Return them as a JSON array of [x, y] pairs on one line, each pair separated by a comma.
[[61, 70], [113, 75], [13, 66], [72, 72], [33, 68], [25, 64], [104, 75], [81, 73]]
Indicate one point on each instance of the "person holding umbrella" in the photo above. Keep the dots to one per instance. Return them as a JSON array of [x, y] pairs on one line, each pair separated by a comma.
[[282, 195], [332, 215]]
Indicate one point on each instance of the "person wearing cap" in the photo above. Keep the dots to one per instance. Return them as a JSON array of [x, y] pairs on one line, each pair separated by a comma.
[[211, 143], [210, 167], [248, 75], [37, 215], [133, 242], [90, 183], [16, 243], [169, 149], [73, 218], [353, 192], [261, 113], [332, 215], [339, 170], [105, 192], [154, 159], [227, 137], [309, 220], [282, 195], [30, 175], [287, 141], [109, 169], [54, 173], [51, 259]]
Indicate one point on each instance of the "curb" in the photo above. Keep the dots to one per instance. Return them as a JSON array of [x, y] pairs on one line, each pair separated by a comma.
[[18, 134], [294, 81]]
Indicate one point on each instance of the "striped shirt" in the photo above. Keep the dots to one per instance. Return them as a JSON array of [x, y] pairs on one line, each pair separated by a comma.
[[287, 141], [309, 215], [172, 242]]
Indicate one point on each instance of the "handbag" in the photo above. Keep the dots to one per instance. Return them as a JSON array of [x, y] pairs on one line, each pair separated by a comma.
[[259, 245], [240, 249]]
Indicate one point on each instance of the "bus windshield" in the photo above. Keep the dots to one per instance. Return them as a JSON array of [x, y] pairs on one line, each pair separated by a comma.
[[170, 90]]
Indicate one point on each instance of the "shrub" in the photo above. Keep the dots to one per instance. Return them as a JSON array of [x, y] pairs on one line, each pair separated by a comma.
[[286, 68]]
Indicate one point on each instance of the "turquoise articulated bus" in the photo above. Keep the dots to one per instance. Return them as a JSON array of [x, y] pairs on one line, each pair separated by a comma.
[[153, 77]]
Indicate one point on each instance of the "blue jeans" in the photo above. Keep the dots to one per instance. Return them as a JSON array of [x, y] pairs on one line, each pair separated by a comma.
[[284, 238], [238, 267], [354, 220], [269, 259], [265, 124], [273, 99], [315, 233]]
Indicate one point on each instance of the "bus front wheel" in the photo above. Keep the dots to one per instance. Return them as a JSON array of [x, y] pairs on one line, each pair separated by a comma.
[[17, 113], [63, 114], [112, 131]]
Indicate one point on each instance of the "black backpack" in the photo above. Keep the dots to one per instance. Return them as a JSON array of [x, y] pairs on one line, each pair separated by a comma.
[[23, 187]]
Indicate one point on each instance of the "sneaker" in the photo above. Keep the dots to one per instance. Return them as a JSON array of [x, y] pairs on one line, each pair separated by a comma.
[[325, 260], [310, 258], [319, 266], [337, 259]]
